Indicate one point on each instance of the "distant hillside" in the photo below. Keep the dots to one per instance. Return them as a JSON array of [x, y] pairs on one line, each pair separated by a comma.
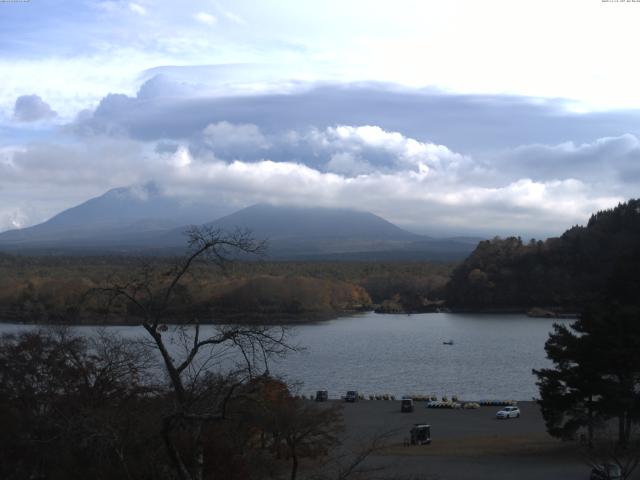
[[279, 222], [586, 263], [144, 221], [312, 233], [119, 217]]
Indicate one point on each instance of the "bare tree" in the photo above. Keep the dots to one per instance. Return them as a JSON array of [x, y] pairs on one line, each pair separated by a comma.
[[198, 402], [352, 464], [304, 429]]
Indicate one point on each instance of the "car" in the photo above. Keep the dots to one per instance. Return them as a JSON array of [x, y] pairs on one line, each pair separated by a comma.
[[406, 405], [420, 434], [351, 396], [606, 471], [508, 412], [322, 396]]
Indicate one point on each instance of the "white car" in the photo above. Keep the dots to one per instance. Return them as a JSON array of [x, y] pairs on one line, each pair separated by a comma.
[[508, 412]]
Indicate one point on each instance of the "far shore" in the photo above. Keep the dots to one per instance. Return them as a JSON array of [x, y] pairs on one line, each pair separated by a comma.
[[235, 319], [281, 318]]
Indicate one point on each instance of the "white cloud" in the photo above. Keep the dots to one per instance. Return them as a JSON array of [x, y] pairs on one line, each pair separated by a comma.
[[12, 218], [426, 187], [383, 148], [522, 206], [348, 163], [206, 18], [231, 16], [137, 8], [181, 158]]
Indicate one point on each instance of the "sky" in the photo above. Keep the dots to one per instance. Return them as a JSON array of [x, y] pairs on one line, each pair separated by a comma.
[[498, 117]]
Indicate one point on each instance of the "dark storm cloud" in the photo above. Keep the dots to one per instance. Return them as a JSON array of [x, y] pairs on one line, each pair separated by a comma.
[[467, 123], [612, 159], [30, 108]]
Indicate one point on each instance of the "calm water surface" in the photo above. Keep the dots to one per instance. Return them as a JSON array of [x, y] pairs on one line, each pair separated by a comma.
[[492, 355]]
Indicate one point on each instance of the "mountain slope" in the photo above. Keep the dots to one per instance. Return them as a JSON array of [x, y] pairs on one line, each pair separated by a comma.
[[118, 216], [313, 233], [144, 220], [278, 222]]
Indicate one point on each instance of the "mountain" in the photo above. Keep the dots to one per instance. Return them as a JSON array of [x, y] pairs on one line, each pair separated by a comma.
[[120, 216], [314, 233], [279, 222], [140, 220], [598, 261]]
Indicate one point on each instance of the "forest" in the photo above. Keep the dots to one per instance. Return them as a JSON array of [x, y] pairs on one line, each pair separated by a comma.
[[563, 274], [53, 289]]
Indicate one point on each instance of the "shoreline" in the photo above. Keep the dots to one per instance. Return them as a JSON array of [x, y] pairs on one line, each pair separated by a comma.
[[282, 319], [285, 319]]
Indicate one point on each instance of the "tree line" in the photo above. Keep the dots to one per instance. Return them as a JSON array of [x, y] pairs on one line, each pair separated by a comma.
[[51, 289], [567, 273]]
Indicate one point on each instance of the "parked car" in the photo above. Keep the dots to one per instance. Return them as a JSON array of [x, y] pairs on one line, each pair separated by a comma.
[[351, 396], [606, 471], [406, 405], [322, 396], [508, 412], [421, 434]]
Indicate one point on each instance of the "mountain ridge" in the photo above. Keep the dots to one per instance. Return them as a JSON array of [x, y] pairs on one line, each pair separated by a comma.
[[142, 220]]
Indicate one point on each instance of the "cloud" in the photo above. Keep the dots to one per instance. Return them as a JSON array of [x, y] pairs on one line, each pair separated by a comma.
[[289, 148], [466, 123], [229, 15], [383, 150], [31, 108], [163, 86], [137, 8], [234, 140], [404, 42], [425, 187], [12, 218], [348, 163], [610, 158], [206, 18], [537, 208]]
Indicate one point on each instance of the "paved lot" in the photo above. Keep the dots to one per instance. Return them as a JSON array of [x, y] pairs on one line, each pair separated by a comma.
[[369, 417], [466, 444]]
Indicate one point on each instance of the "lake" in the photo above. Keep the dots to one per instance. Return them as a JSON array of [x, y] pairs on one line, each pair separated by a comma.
[[491, 356]]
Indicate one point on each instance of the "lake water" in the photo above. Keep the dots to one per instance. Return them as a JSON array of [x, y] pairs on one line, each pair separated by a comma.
[[491, 358]]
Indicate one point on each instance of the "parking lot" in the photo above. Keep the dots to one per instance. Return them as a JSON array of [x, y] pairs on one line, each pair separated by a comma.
[[466, 444]]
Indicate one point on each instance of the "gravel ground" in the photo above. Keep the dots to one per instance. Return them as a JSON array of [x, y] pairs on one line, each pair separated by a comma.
[[466, 444]]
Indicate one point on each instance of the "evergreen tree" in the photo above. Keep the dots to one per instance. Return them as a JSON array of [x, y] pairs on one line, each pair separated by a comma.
[[596, 374]]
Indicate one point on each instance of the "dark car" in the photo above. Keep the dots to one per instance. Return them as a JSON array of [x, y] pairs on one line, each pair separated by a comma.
[[421, 434], [322, 396], [605, 471], [406, 405], [351, 396]]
